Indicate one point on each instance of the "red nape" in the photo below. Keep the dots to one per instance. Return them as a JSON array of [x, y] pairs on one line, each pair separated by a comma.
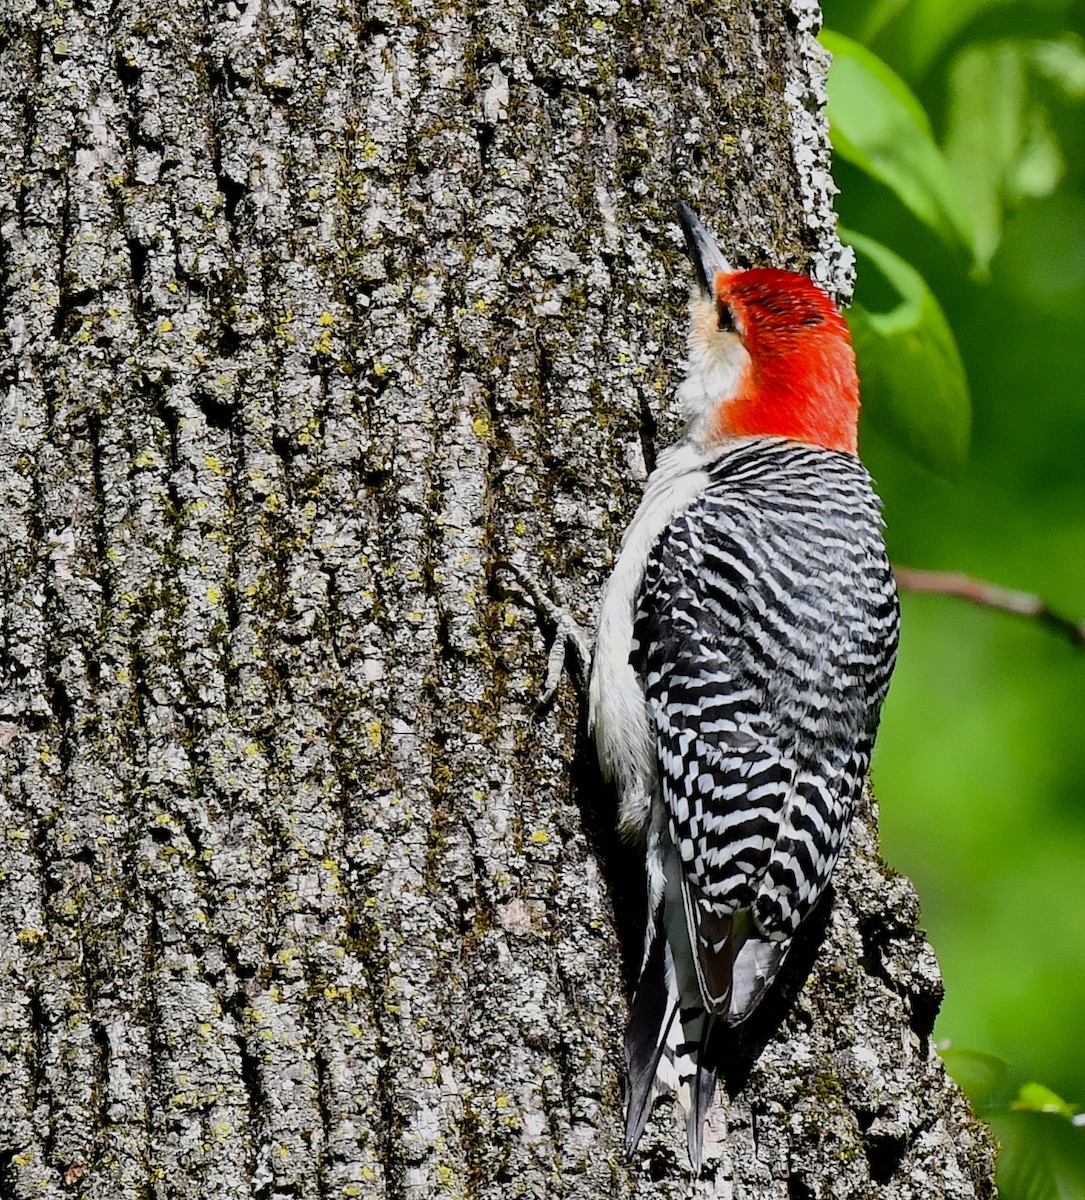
[[802, 382]]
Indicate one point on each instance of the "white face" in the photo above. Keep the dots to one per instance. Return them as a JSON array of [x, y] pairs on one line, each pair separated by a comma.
[[715, 366]]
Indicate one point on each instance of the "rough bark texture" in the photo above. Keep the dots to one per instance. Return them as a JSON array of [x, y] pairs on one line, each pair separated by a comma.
[[311, 312]]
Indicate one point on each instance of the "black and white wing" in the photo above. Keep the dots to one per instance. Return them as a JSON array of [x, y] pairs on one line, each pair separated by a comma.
[[764, 635]]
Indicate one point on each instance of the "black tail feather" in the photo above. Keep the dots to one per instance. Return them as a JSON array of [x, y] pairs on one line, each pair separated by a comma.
[[703, 1092], [704, 973], [650, 1020]]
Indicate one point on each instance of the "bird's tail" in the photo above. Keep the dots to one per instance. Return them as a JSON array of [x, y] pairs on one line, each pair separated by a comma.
[[670, 1044]]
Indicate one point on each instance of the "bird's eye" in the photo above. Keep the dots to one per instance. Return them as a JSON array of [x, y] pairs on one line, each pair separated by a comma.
[[724, 318]]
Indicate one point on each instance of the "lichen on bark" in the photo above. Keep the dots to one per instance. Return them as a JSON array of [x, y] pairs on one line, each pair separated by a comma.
[[311, 314]]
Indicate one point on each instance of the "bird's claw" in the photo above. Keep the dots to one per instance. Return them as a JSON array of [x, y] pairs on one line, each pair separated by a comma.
[[568, 635]]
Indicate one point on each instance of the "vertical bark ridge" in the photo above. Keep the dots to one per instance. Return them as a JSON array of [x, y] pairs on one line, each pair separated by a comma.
[[311, 313]]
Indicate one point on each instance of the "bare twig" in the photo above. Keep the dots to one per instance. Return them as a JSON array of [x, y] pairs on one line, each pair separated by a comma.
[[990, 595]]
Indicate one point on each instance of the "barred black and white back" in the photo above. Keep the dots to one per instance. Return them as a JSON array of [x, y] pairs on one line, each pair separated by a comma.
[[745, 648]]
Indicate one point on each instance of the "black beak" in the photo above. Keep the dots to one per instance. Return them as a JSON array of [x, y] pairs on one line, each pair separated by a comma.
[[706, 256]]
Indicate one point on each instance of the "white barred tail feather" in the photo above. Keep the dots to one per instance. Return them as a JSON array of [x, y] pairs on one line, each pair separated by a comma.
[[667, 1049], [669, 1045]]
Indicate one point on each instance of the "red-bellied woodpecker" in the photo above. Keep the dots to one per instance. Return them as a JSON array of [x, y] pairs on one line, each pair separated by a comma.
[[746, 639]]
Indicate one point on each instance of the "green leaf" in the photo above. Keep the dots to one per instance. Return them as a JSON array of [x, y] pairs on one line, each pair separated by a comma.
[[913, 381], [1034, 1097], [999, 143], [1062, 61], [982, 1077], [1043, 1157], [880, 13], [923, 29], [876, 123], [1024, 1164], [1042, 1142]]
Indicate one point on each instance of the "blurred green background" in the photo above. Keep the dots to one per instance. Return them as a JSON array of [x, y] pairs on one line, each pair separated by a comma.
[[980, 766]]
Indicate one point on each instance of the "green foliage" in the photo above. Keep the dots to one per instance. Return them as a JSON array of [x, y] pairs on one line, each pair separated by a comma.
[[1034, 1097], [1041, 1135], [920, 31], [1001, 145], [876, 123], [914, 388], [983, 1077], [914, 385], [1043, 1156], [1000, 141]]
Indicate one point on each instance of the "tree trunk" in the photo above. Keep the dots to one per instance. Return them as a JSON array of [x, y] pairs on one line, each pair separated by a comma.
[[312, 314]]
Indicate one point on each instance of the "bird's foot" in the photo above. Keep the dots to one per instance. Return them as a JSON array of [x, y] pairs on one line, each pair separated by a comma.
[[569, 644]]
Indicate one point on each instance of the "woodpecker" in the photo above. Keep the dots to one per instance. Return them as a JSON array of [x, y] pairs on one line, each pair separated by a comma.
[[746, 639]]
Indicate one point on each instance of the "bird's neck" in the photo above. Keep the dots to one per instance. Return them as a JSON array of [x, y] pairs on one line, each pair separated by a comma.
[[811, 398]]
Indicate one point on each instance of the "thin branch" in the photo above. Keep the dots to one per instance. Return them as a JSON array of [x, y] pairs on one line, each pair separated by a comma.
[[990, 595]]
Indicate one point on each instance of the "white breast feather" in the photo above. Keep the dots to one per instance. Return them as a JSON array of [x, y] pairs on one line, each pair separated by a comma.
[[618, 713]]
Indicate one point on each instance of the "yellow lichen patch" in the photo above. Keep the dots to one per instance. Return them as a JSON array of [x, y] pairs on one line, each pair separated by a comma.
[[540, 837]]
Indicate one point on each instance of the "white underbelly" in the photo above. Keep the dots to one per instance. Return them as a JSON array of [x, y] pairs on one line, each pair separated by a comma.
[[618, 715]]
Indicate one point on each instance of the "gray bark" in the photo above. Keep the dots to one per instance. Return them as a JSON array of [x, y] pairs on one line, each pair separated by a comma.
[[311, 313]]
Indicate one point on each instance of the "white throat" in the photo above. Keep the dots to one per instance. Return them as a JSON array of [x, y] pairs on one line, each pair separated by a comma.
[[715, 364]]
